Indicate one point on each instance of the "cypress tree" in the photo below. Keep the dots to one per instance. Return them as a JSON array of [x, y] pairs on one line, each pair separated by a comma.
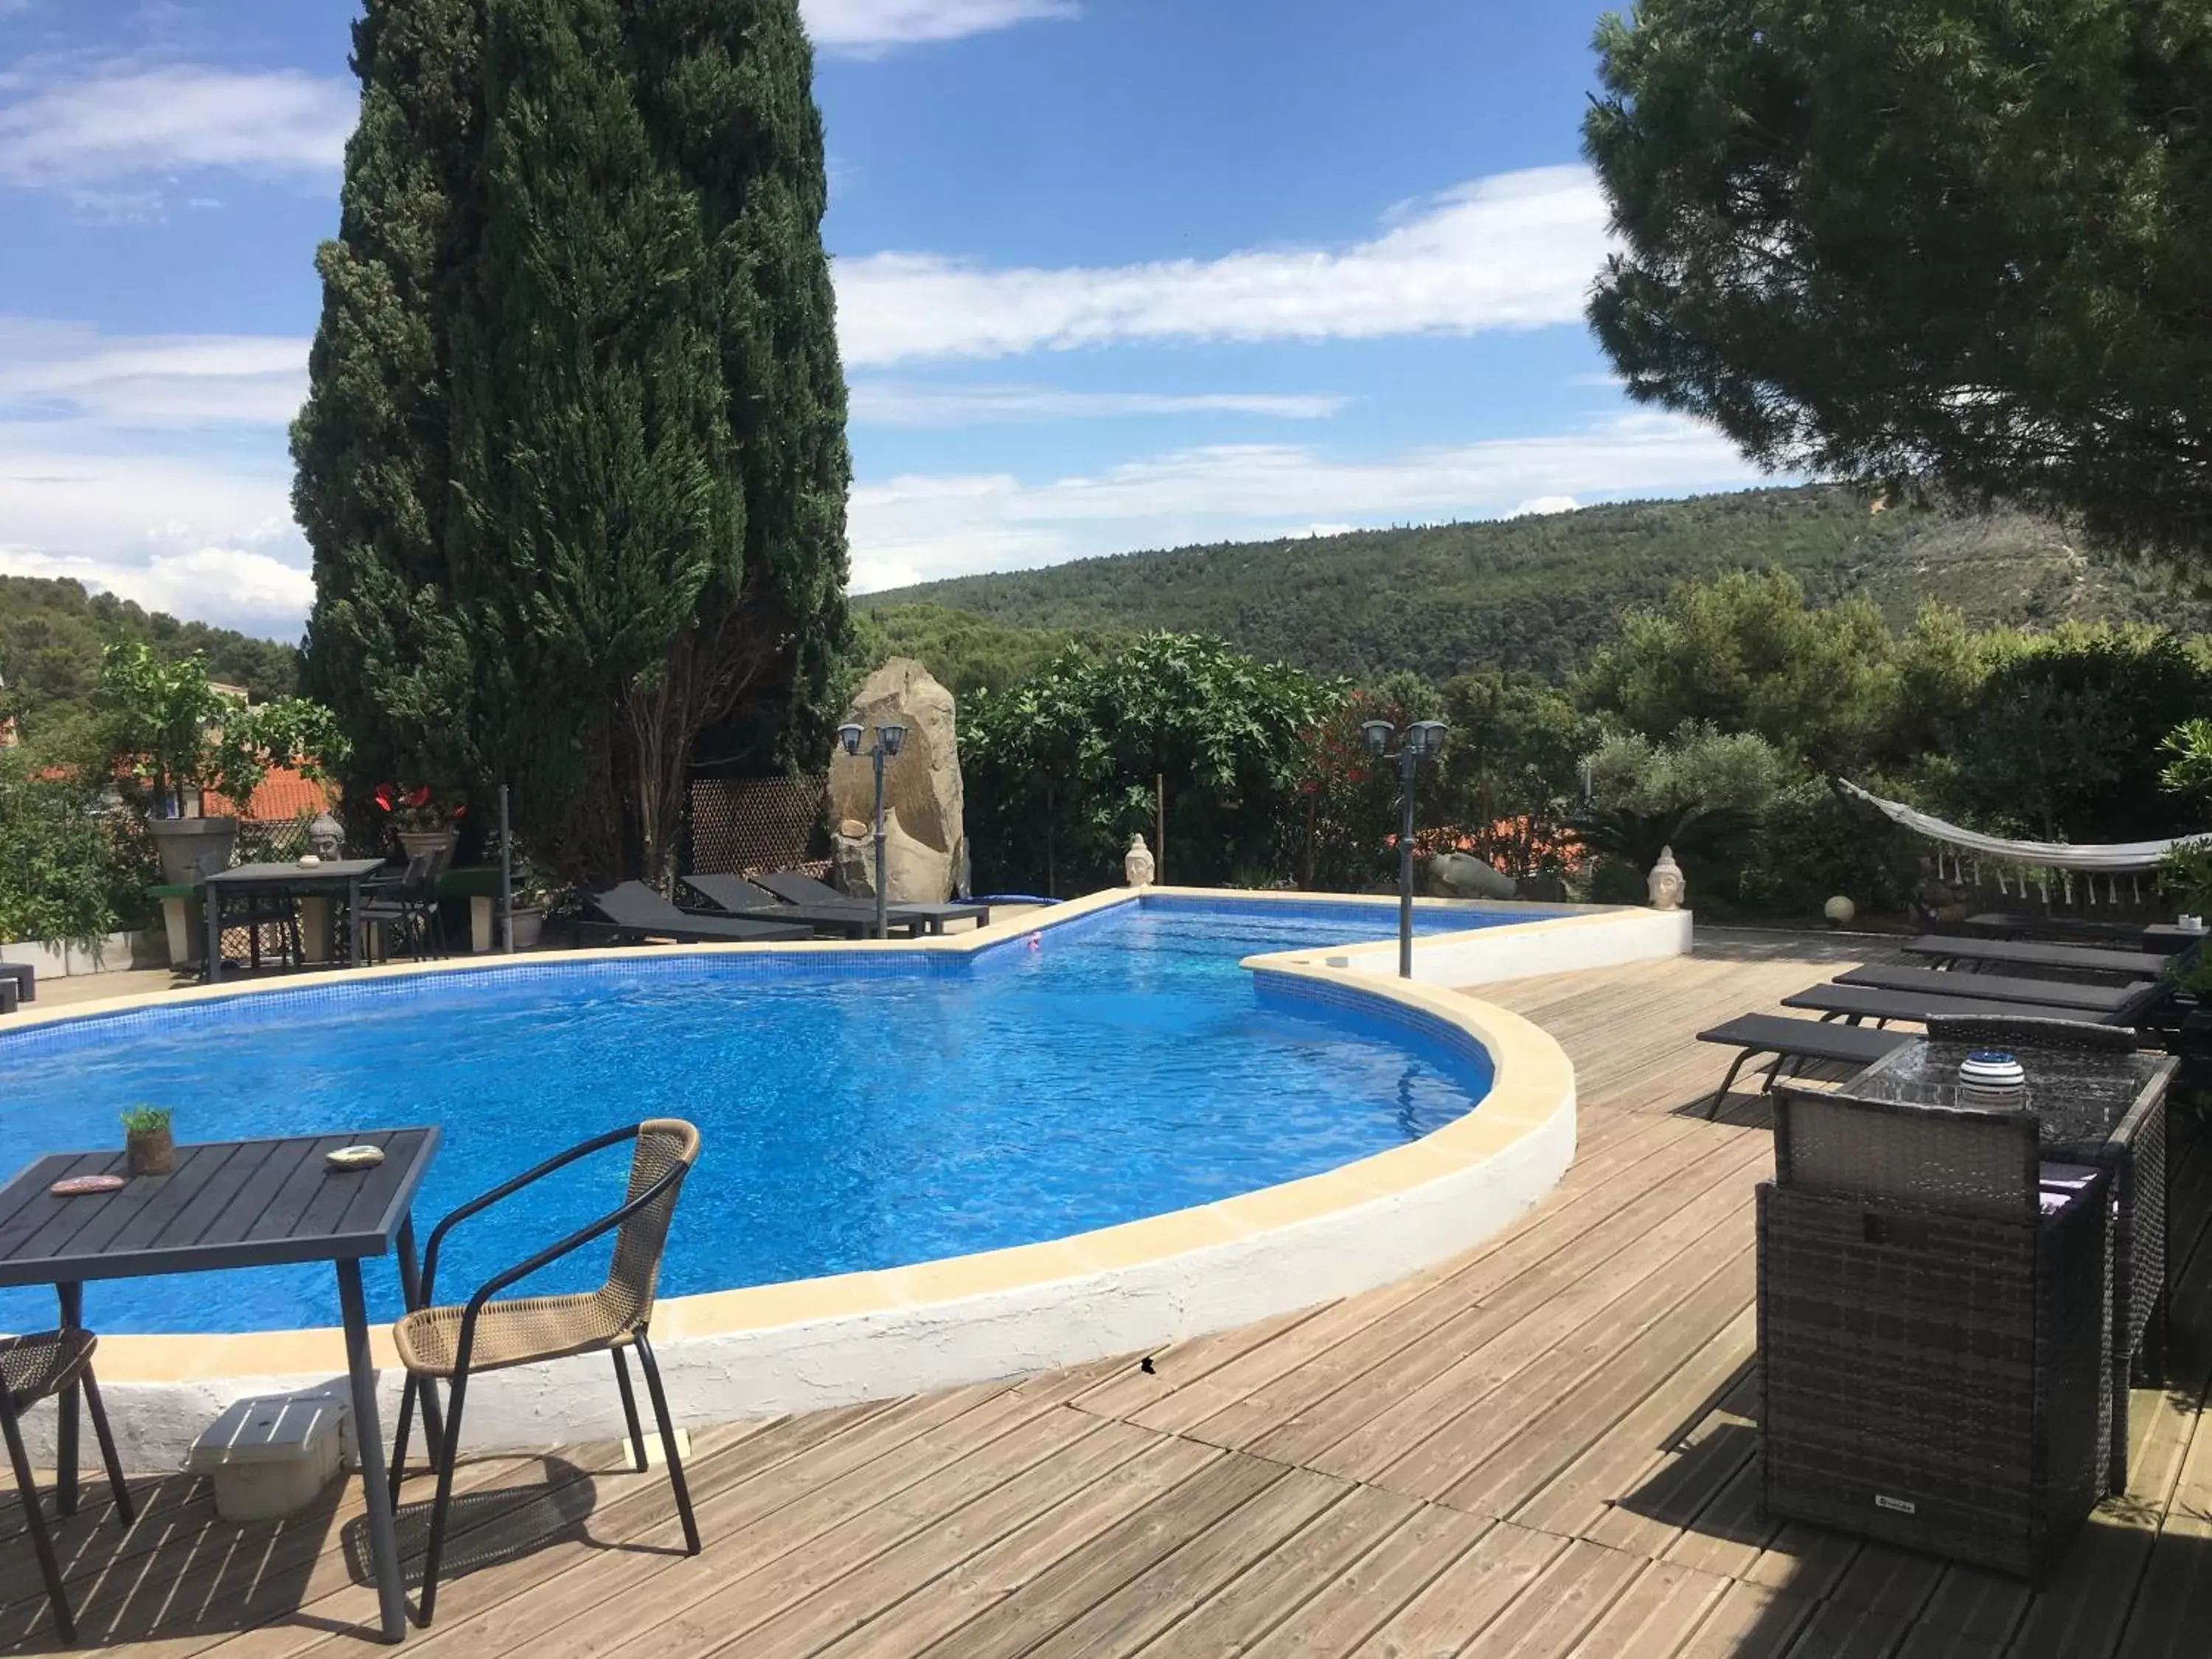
[[385, 646], [643, 461]]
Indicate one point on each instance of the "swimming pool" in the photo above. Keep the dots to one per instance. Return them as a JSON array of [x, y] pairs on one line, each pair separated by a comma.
[[861, 1109]]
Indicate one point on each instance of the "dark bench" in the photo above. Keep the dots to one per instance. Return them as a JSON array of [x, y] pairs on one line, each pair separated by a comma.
[[1798, 1041]]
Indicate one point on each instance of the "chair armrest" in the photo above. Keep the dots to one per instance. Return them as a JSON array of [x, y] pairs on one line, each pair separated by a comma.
[[507, 1190], [545, 1258]]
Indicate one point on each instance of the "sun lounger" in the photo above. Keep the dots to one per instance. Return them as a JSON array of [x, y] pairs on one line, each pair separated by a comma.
[[2023, 953], [634, 911], [736, 896], [24, 977], [1856, 1002], [793, 888], [1794, 1042], [1999, 987], [2082, 930]]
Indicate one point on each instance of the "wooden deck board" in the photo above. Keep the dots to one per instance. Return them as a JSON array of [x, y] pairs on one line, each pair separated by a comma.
[[1543, 1450]]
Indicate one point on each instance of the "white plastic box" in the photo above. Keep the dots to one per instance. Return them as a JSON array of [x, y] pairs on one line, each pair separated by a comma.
[[272, 1456]]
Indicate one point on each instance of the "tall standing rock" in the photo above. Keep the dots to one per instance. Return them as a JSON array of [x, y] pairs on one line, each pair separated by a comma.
[[921, 785]]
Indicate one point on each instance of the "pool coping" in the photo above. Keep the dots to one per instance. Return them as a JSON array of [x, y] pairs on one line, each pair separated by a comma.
[[1116, 1289]]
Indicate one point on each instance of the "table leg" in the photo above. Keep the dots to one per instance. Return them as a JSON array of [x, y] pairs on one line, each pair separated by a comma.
[[411, 1286], [353, 924], [71, 1297], [211, 904], [368, 1440]]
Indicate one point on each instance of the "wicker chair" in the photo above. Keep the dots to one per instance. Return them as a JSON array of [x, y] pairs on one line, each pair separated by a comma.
[[35, 1367], [450, 1344], [1931, 1334]]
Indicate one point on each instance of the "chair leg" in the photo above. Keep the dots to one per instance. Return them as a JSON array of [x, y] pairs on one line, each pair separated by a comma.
[[1728, 1083], [125, 1508], [399, 1435], [630, 1410], [668, 1442], [42, 1542], [444, 1500]]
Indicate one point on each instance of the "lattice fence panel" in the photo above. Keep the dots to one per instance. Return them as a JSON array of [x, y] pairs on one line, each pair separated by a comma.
[[742, 824]]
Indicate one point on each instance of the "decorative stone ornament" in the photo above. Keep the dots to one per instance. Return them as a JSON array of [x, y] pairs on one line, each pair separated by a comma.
[[327, 838], [1840, 911], [1138, 868], [1667, 886]]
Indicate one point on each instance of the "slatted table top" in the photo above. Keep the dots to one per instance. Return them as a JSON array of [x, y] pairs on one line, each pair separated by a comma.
[[226, 1204], [338, 872]]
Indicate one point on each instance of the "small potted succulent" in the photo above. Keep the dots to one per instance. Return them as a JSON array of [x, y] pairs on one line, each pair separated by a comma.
[[148, 1147]]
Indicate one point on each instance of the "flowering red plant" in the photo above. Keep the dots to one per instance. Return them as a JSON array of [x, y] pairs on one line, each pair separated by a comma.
[[416, 807]]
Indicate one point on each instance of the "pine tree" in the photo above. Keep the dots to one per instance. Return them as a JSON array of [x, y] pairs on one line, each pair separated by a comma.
[[642, 414]]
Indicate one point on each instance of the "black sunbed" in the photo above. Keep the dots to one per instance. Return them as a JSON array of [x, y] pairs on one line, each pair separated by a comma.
[[795, 888], [1798, 1039], [634, 911], [1999, 987], [24, 977], [1856, 1002], [2022, 953], [2083, 930], [733, 896]]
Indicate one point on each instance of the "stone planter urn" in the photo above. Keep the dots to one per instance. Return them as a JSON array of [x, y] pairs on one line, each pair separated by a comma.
[[439, 843], [183, 843], [528, 926]]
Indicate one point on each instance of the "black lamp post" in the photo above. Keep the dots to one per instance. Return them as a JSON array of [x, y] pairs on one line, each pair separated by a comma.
[[1424, 740], [890, 739]]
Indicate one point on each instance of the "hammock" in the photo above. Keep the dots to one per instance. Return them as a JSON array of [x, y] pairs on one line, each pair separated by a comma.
[[2122, 859]]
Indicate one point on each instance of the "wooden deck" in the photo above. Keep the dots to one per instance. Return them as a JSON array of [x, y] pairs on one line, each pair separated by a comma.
[[1541, 1449]]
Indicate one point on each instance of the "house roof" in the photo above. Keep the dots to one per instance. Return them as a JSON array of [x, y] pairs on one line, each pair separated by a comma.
[[283, 796]]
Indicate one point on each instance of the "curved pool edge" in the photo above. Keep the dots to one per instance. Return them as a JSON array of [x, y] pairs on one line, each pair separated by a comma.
[[811, 1344]]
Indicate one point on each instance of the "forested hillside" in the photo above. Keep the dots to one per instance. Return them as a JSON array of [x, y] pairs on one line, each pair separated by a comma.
[[51, 635], [1542, 593]]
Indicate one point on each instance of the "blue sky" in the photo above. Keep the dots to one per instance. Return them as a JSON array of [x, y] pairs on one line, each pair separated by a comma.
[[1112, 274]]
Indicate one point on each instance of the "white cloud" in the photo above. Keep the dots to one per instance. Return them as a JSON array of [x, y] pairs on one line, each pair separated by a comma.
[[231, 586], [1542, 506], [865, 28], [902, 403], [1517, 250], [919, 528], [67, 370], [122, 121]]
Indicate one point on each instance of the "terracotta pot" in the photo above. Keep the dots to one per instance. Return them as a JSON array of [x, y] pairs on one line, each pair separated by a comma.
[[150, 1151]]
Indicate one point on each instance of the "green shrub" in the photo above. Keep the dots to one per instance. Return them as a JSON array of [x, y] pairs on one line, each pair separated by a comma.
[[68, 872]]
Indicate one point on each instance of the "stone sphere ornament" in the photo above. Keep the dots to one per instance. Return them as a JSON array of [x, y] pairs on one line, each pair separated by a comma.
[[1840, 911], [1667, 886], [1138, 869]]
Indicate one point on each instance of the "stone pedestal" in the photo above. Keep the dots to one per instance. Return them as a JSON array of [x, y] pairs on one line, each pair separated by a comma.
[[186, 926], [318, 939]]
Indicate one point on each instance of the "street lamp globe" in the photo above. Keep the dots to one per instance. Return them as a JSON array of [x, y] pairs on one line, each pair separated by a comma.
[[1377, 734], [1426, 738], [849, 736], [892, 738]]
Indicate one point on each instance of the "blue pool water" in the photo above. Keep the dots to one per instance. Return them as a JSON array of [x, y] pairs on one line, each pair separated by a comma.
[[857, 1111]]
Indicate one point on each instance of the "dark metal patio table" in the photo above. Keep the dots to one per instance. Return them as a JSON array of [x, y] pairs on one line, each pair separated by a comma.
[[250, 880], [2104, 1108], [233, 1204]]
